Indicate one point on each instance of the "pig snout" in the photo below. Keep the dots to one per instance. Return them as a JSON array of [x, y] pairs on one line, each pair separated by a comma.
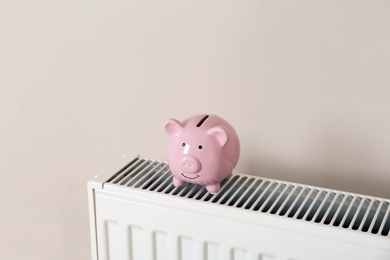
[[190, 164]]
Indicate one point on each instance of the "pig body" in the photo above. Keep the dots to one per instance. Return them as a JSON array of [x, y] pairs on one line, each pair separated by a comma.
[[202, 150]]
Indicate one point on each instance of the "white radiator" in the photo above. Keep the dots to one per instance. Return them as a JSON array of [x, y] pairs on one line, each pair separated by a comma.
[[136, 213]]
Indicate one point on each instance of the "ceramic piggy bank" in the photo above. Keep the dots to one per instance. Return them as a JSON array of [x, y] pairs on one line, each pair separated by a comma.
[[202, 150]]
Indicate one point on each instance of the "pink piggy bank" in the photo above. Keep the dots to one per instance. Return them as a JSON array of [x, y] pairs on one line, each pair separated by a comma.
[[202, 150]]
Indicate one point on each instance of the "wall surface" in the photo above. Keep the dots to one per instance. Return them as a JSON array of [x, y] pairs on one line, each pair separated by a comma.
[[305, 83]]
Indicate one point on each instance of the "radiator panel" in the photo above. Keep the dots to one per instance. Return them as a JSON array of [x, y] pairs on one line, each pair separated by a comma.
[[138, 214]]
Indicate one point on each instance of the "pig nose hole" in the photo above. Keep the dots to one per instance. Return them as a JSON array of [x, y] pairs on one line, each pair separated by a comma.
[[190, 164]]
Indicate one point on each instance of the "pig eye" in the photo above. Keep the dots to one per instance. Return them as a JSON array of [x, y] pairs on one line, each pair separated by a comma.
[[183, 144], [200, 147]]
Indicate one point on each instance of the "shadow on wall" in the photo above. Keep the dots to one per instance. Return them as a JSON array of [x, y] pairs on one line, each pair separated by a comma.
[[347, 153], [339, 163], [357, 182]]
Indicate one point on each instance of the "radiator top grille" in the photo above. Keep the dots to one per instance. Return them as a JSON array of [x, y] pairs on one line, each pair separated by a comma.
[[323, 206]]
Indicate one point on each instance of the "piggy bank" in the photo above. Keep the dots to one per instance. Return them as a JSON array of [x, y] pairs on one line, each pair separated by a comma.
[[202, 149]]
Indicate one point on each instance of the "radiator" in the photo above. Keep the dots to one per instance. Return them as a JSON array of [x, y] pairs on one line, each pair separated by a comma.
[[136, 213]]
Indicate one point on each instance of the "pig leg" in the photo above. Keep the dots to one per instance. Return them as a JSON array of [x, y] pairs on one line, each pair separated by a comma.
[[213, 188], [177, 181]]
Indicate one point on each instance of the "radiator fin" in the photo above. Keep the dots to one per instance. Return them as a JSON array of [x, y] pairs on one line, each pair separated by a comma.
[[212, 250], [187, 249], [312, 204], [161, 245], [140, 243], [135, 243], [239, 254], [266, 257], [112, 230]]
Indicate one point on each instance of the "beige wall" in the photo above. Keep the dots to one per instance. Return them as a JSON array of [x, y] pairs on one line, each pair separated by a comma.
[[305, 83]]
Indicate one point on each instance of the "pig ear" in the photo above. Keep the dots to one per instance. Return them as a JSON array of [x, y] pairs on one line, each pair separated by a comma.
[[220, 133], [172, 126]]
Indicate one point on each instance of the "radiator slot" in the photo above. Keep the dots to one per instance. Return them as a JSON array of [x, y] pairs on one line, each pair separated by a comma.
[[123, 172], [194, 191], [380, 218], [283, 199], [299, 202], [241, 192], [343, 213], [256, 196], [385, 230], [289, 200], [324, 207], [232, 191], [265, 196]]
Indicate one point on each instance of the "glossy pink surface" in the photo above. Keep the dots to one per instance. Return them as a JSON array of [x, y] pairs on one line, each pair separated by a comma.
[[202, 150]]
